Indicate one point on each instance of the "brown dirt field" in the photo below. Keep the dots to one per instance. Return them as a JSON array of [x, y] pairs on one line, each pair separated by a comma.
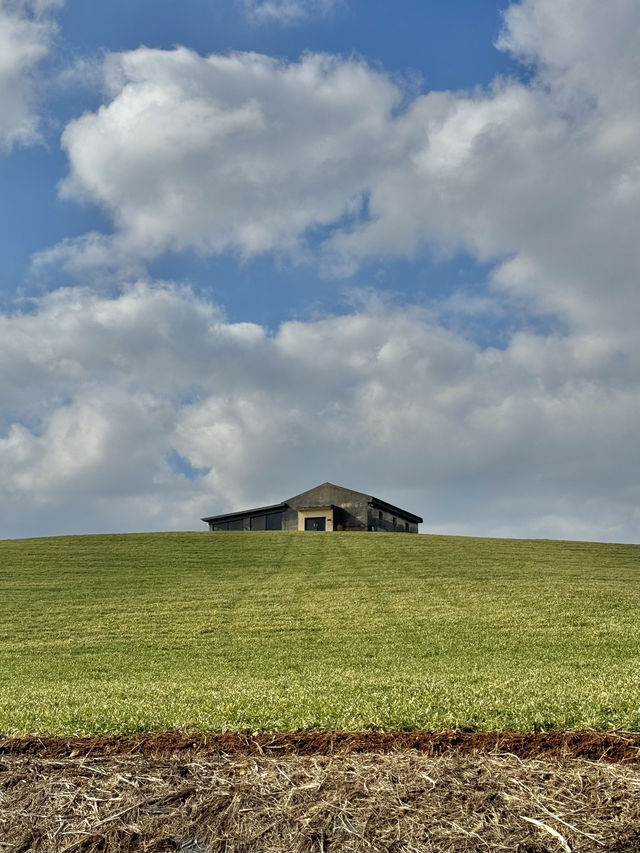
[[612, 746], [403, 792]]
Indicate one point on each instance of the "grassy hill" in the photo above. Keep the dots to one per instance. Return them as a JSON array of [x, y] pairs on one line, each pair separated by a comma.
[[201, 631]]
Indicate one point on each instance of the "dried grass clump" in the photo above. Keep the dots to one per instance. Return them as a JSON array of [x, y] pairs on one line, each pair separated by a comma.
[[399, 801]]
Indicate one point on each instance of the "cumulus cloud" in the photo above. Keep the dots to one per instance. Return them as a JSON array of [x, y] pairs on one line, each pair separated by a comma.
[[26, 32], [249, 154], [545, 175], [533, 440], [288, 11], [227, 152]]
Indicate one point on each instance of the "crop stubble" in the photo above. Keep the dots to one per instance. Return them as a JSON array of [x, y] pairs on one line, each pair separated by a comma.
[[322, 791]]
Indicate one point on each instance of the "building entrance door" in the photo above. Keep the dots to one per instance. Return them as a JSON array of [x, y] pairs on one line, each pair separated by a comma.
[[315, 523]]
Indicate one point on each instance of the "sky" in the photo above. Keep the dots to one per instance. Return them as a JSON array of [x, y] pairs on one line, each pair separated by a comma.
[[250, 246]]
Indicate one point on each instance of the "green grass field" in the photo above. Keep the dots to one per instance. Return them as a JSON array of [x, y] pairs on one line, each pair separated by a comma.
[[199, 631]]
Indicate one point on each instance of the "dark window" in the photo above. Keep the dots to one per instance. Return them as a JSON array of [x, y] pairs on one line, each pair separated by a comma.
[[274, 521], [394, 521], [221, 526], [315, 523], [406, 526], [380, 515], [236, 524], [258, 522]]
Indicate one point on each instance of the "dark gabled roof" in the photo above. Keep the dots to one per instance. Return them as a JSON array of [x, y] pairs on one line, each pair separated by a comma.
[[242, 512], [374, 501], [277, 507]]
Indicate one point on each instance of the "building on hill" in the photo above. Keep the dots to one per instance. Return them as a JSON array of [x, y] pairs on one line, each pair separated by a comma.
[[326, 507]]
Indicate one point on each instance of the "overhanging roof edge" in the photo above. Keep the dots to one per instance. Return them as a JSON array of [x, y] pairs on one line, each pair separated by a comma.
[[241, 512]]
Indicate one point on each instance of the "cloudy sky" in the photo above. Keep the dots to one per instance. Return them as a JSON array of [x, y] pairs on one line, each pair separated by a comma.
[[252, 245]]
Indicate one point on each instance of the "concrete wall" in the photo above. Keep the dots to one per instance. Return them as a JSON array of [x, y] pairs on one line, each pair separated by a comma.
[[351, 507], [290, 519], [318, 512], [381, 519]]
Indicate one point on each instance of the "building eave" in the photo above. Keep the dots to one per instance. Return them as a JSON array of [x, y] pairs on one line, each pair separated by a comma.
[[242, 512]]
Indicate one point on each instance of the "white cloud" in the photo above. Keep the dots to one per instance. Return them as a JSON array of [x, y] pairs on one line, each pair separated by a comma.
[[248, 154], [572, 45], [288, 11], [227, 152], [104, 258], [26, 32], [536, 439]]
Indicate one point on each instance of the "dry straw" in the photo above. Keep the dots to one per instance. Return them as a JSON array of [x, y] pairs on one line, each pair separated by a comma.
[[396, 801]]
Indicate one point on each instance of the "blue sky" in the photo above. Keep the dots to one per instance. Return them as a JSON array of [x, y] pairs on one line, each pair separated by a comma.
[[251, 246], [432, 46], [449, 44]]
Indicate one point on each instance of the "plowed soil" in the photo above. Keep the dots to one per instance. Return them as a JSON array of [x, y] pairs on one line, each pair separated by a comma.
[[617, 747]]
